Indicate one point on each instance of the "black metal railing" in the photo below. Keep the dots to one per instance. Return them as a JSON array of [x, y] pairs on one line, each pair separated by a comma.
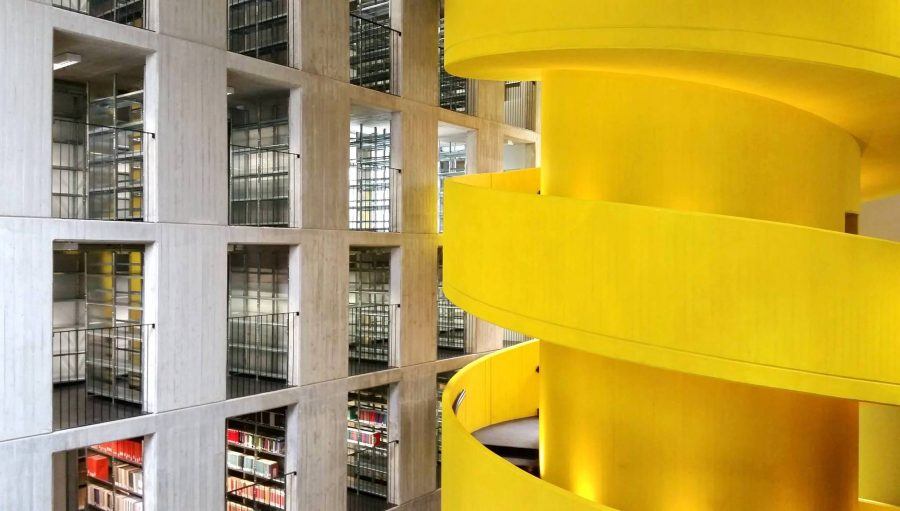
[[98, 374], [260, 353], [367, 473], [261, 29], [371, 336], [520, 104], [126, 12], [511, 338], [259, 186], [98, 171], [451, 331], [456, 93], [374, 192], [374, 51], [264, 495]]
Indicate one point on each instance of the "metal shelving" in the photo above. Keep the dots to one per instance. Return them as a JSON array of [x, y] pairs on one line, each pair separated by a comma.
[[125, 12], [452, 162], [520, 104], [260, 29], [455, 93], [368, 449], [374, 46], [372, 316], [255, 475], [452, 324], [374, 184]]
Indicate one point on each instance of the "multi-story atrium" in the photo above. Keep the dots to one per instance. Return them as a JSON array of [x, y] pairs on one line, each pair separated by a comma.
[[327, 255]]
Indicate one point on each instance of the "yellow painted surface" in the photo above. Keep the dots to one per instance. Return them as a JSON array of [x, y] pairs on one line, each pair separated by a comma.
[[837, 59], [499, 387], [649, 439], [679, 252], [744, 300], [879, 452], [687, 146]]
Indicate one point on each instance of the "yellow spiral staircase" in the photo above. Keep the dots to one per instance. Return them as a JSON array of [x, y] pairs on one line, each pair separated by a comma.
[[708, 331]]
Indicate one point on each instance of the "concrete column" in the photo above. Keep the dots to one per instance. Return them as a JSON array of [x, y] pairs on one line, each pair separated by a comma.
[[325, 132], [418, 23], [323, 38], [322, 468], [186, 107], [201, 21], [418, 340], [417, 142], [324, 277], [415, 455]]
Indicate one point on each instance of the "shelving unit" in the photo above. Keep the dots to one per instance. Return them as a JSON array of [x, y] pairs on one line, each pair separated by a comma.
[[255, 473], [116, 142], [69, 150], [374, 184], [519, 106], [373, 45], [126, 12], [260, 166], [452, 162], [259, 29], [114, 477], [114, 298], [452, 331], [371, 311], [259, 324], [455, 93], [68, 315], [367, 444], [442, 380]]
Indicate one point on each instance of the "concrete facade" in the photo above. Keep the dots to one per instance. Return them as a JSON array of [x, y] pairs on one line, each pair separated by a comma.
[[187, 69]]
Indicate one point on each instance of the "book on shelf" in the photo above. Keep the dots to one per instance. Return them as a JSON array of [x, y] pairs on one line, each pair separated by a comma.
[[131, 451], [255, 441], [97, 467], [274, 497], [366, 438], [253, 465], [130, 478]]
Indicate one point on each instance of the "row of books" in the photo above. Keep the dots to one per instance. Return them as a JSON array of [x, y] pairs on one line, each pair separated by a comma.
[[367, 438], [260, 493], [254, 441], [378, 417], [107, 500], [129, 477], [253, 465], [131, 451], [234, 506]]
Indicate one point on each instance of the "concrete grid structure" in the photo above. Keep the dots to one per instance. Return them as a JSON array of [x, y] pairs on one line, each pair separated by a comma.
[[186, 235]]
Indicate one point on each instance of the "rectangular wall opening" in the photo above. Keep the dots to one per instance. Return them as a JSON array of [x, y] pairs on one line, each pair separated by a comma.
[[374, 179], [107, 477], [453, 159], [442, 379], [261, 168], [261, 29], [255, 473], [262, 331], [455, 93], [374, 46], [99, 147], [368, 449], [99, 334], [453, 332], [372, 319], [125, 12]]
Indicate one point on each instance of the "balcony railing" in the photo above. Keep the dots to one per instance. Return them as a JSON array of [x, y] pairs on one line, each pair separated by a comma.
[[260, 353], [98, 171], [519, 107], [374, 51], [367, 474], [374, 192], [371, 336], [126, 12], [98, 374], [261, 29], [259, 186], [451, 332], [456, 93]]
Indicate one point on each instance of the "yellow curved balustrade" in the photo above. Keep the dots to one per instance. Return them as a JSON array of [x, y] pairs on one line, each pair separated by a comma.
[[708, 331], [745, 300], [499, 387]]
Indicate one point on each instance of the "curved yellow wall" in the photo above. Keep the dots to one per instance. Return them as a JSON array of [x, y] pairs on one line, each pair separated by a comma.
[[499, 387], [681, 145], [707, 328]]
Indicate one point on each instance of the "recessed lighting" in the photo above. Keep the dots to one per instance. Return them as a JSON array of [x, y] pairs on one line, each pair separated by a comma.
[[510, 142], [229, 91], [65, 60]]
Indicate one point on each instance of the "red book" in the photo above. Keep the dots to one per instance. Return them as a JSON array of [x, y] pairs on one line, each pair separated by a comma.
[[98, 467], [234, 435]]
